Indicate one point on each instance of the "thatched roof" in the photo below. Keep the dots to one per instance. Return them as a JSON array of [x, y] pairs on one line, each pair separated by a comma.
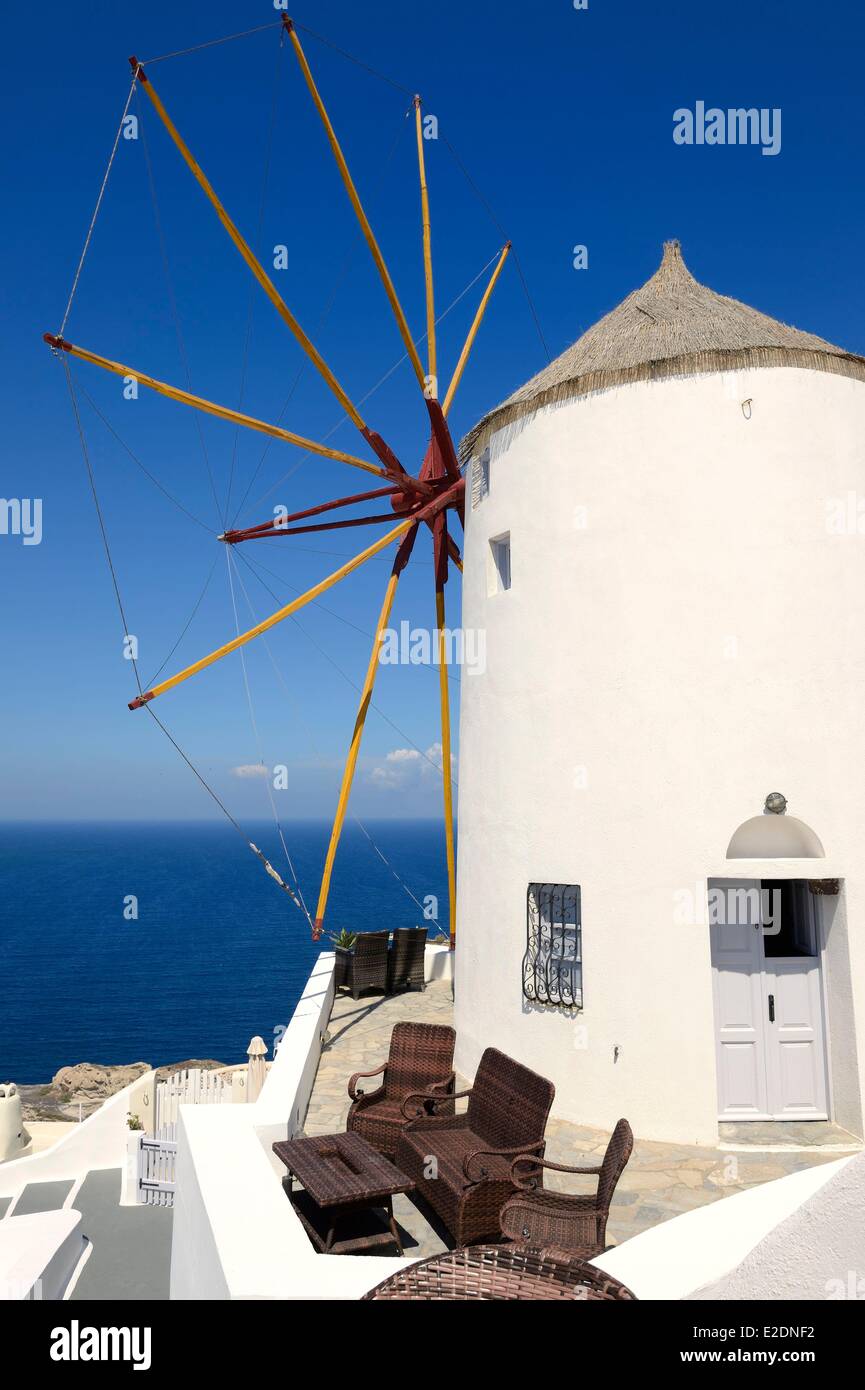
[[671, 326]]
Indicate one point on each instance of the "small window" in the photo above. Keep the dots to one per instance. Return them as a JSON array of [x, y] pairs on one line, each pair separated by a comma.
[[553, 962], [481, 478], [500, 567]]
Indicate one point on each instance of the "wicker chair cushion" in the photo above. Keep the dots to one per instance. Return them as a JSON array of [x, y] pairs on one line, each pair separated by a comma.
[[379, 1122], [381, 1111], [449, 1148]]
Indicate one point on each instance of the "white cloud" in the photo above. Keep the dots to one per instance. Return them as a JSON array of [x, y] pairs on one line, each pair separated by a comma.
[[434, 755], [250, 770], [404, 768], [399, 768]]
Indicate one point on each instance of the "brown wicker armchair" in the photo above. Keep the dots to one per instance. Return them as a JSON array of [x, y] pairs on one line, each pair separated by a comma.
[[420, 1063], [471, 1154], [405, 964], [539, 1217], [365, 965]]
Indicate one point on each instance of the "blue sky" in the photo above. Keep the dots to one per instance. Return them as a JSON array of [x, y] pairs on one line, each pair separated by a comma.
[[564, 119]]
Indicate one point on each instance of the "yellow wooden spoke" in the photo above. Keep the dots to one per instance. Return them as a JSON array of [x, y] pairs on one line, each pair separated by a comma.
[[427, 248], [246, 251], [357, 735], [274, 618], [473, 331], [222, 412], [362, 218]]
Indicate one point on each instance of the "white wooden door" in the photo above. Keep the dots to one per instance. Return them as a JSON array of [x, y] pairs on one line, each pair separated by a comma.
[[737, 960], [769, 1025], [795, 1051]]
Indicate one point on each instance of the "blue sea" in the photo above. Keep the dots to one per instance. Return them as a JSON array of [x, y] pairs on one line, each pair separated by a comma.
[[217, 953]]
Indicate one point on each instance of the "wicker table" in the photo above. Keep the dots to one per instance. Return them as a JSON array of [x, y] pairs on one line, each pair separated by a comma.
[[500, 1272], [346, 1184]]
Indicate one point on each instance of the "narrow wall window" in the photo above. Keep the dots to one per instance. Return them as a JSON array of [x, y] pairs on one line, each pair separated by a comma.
[[500, 564], [481, 478], [553, 962]]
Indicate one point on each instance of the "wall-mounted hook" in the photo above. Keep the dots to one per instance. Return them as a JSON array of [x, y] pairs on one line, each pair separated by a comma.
[[746, 407]]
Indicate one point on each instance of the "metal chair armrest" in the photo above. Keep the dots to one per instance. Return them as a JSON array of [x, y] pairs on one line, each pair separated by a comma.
[[446, 1087], [517, 1149], [358, 1075], [431, 1099], [528, 1182]]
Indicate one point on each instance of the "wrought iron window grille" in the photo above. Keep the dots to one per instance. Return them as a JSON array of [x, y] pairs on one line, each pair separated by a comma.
[[553, 962]]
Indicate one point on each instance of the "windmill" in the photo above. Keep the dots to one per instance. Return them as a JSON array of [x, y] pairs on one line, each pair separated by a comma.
[[421, 500]]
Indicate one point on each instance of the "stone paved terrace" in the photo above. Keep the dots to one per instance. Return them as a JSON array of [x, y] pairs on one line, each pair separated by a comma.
[[661, 1180]]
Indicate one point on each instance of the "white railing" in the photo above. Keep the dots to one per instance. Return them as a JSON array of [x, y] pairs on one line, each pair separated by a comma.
[[156, 1171], [156, 1158], [192, 1086]]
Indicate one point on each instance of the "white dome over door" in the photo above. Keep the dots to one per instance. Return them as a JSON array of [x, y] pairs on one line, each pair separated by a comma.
[[775, 836]]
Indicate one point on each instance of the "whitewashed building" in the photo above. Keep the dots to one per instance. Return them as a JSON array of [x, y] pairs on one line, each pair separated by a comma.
[[666, 550]]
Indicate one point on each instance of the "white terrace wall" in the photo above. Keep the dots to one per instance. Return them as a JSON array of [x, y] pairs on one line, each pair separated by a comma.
[[235, 1235], [100, 1141], [816, 1252], [683, 635], [678, 1257]]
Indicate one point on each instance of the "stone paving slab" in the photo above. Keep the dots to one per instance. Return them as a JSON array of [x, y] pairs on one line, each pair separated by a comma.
[[808, 1133], [661, 1181]]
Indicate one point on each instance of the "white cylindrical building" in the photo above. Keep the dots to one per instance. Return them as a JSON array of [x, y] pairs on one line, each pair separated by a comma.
[[665, 549]]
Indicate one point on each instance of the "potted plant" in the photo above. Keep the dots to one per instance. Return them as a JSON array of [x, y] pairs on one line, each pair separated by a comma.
[[343, 945]]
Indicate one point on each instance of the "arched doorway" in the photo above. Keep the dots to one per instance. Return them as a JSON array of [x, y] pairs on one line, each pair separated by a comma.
[[767, 975]]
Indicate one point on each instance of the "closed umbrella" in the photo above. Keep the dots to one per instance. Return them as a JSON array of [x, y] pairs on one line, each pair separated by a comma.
[[256, 1071]]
